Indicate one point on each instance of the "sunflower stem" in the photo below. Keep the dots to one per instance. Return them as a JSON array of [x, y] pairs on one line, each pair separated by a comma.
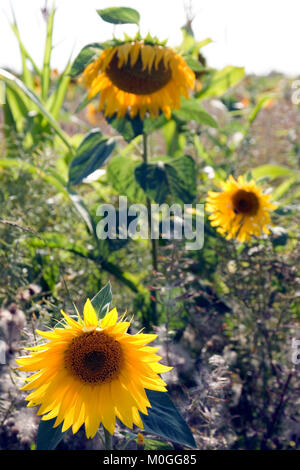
[[107, 440], [153, 241]]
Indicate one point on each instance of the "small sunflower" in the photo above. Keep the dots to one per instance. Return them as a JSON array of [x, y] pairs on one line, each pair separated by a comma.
[[92, 371], [139, 78], [241, 210]]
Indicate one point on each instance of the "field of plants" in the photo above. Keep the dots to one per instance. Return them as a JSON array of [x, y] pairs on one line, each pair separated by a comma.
[[87, 287]]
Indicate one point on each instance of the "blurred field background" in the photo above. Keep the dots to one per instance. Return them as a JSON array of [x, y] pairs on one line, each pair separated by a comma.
[[225, 315]]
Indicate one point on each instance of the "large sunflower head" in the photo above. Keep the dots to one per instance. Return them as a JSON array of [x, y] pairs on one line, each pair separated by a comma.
[[92, 371], [139, 77], [240, 210]]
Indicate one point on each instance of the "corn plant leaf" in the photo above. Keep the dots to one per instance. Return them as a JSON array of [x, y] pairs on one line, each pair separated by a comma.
[[119, 15], [164, 420], [57, 98], [16, 82]]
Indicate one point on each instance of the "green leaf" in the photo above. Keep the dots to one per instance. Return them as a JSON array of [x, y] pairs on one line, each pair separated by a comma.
[[127, 127], [258, 106], [119, 15], [283, 188], [192, 110], [194, 64], [120, 174], [220, 81], [89, 53], [130, 128], [271, 171], [155, 444], [102, 300], [152, 125], [48, 437], [91, 154], [174, 178], [50, 176], [84, 101], [164, 420], [17, 106], [189, 45]]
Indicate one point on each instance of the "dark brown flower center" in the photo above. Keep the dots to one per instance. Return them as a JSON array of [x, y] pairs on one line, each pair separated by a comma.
[[133, 79], [94, 357], [245, 202]]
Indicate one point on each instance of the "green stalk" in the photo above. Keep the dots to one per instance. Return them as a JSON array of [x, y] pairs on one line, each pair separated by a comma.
[[47, 57]]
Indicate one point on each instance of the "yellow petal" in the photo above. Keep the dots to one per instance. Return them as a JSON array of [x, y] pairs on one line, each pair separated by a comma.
[[89, 314], [110, 318]]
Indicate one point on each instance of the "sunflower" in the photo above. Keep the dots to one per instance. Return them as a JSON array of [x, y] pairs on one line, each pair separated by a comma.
[[138, 77], [241, 210], [92, 371]]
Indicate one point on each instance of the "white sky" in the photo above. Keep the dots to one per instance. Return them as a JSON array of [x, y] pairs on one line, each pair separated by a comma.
[[262, 35]]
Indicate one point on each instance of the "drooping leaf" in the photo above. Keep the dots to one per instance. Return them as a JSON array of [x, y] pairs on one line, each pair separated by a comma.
[[119, 15], [164, 420], [127, 127], [91, 154], [163, 178], [120, 174], [130, 128]]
